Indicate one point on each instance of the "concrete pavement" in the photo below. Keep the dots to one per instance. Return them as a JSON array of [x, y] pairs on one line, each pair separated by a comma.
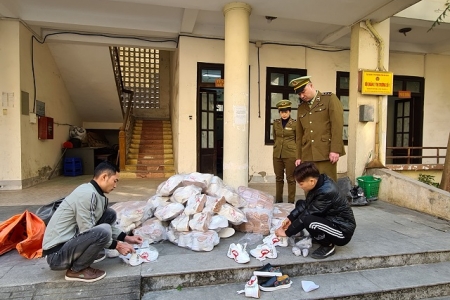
[[395, 253]]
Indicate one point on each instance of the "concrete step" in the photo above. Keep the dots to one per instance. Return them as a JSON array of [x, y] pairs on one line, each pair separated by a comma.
[[151, 168], [146, 174], [150, 151], [405, 282], [150, 156]]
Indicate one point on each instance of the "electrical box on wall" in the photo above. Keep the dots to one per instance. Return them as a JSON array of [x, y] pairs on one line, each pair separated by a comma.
[[45, 128]]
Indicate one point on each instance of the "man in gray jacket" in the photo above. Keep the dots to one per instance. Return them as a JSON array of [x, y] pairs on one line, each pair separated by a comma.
[[83, 226]]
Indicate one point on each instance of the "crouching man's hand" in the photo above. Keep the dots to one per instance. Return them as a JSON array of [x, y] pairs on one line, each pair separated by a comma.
[[124, 248], [134, 239]]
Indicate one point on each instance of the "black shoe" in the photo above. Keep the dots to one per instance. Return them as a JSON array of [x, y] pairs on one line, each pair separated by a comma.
[[323, 252]]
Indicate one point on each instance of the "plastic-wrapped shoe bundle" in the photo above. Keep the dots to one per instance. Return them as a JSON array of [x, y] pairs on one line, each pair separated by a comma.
[[182, 194], [152, 230], [195, 204], [198, 241], [169, 211]]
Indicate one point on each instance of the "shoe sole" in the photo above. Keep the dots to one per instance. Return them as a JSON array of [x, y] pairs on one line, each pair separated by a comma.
[[271, 289], [266, 273], [85, 280], [99, 259], [322, 257]]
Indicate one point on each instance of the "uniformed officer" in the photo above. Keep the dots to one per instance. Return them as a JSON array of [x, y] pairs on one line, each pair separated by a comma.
[[284, 151], [319, 127]]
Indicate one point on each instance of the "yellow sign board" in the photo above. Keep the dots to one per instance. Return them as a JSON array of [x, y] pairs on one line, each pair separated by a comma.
[[376, 82]]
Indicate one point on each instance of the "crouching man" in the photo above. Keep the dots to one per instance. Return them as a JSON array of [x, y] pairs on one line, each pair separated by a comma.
[[325, 214], [83, 226]]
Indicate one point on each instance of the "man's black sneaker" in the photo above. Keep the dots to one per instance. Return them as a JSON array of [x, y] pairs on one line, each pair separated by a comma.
[[323, 252]]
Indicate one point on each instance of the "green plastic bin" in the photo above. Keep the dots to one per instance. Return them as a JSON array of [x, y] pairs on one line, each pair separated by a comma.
[[370, 186]]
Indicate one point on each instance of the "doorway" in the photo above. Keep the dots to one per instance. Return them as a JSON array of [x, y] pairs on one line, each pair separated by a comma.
[[405, 119], [210, 106]]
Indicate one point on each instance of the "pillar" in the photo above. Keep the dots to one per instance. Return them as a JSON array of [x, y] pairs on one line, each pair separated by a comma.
[[366, 54], [236, 94]]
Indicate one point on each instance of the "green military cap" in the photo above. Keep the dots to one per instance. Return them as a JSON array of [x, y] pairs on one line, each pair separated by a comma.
[[283, 104], [299, 83]]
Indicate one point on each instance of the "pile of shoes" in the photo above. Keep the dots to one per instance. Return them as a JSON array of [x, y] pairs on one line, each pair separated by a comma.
[[267, 279]]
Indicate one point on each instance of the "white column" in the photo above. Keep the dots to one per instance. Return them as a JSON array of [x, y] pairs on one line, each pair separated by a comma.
[[236, 94], [364, 55]]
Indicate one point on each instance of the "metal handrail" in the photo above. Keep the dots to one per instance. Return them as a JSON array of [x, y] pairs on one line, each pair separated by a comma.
[[438, 156]]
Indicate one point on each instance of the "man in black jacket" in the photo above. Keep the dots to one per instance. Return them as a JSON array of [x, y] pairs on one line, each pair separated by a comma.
[[325, 214]]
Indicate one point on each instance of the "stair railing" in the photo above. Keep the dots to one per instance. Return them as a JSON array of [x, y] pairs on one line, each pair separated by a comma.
[[126, 130], [127, 105]]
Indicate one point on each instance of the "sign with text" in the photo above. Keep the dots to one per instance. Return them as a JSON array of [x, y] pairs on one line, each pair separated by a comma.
[[375, 82], [219, 82], [404, 94]]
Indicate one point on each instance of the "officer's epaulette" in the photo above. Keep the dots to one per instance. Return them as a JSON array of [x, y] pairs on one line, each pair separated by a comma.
[[327, 93]]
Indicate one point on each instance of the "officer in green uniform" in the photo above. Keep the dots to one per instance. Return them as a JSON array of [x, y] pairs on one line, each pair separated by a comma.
[[284, 151], [319, 127]]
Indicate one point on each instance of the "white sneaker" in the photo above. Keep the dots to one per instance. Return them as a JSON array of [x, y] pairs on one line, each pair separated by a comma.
[[281, 241], [111, 253], [261, 252], [252, 288], [238, 253]]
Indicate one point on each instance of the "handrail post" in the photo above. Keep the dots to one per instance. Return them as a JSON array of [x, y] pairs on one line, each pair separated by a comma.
[[122, 148]]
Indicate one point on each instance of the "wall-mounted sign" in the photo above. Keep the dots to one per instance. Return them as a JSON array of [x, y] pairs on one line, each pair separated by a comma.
[[219, 82], [404, 94], [375, 82]]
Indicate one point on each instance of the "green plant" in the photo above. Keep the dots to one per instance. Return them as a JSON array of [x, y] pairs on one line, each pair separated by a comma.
[[428, 179], [441, 16]]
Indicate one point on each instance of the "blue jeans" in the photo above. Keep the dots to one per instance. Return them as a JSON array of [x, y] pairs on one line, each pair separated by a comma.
[[79, 252]]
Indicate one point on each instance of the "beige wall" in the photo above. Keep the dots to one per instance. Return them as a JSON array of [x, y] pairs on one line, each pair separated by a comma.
[[10, 164], [436, 113], [322, 66], [39, 157], [191, 51], [174, 104]]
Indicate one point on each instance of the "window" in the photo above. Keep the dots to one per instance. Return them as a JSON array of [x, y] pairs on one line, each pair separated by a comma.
[[277, 88], [342, 91]]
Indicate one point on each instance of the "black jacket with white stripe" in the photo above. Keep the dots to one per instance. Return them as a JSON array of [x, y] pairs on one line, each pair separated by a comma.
[[325, 201]]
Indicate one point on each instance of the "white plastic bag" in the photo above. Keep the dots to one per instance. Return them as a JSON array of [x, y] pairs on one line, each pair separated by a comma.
[[182, 194], [181, 223], [198, 179], [167, 187], [200, 221], [152, 230], [198, 240], [169, 211], [195, 204], [233, 214]]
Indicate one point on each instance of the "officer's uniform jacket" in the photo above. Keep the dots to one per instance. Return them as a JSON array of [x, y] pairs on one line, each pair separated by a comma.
[[319, 128], [284, 138]]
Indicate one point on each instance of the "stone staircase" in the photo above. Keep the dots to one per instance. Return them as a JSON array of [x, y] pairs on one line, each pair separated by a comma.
[[151, 150]]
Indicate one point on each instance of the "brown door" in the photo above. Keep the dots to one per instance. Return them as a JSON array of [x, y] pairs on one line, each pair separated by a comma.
[[206, 131], [408, 129]]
